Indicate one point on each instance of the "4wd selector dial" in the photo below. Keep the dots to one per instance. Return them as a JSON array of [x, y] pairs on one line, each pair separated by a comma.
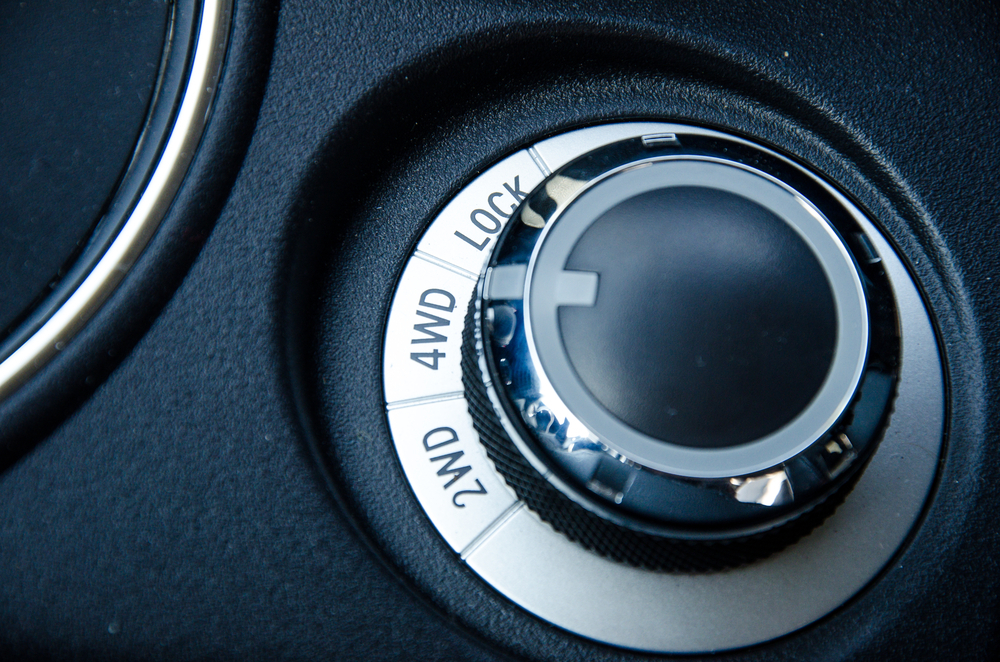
[[630, 355], [684, 337]]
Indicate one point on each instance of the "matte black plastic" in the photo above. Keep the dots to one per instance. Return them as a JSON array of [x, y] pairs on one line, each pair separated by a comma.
[[714, 323], [180, 511]]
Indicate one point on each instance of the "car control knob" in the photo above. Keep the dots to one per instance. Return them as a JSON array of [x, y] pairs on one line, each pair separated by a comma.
[[630, 355], [681, 338]]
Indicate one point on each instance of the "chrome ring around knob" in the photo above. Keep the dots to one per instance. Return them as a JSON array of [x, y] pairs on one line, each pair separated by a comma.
[[629, 476]]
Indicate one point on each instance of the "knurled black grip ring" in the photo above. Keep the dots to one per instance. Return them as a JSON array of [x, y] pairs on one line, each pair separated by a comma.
[[601, 536]]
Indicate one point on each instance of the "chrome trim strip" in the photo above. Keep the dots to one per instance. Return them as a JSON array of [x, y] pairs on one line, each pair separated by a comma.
[[172, 166]]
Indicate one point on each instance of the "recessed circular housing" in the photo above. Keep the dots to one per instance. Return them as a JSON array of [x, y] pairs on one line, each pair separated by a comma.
[[680, 351]]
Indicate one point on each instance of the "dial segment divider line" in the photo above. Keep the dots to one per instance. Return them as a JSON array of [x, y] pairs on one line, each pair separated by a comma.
[[445, 264], [494, 526]]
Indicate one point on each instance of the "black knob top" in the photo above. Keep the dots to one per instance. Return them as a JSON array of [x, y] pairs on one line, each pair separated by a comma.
[[714, 323]]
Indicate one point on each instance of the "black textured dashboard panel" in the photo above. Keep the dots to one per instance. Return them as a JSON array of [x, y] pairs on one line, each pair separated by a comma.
[[229, 491]]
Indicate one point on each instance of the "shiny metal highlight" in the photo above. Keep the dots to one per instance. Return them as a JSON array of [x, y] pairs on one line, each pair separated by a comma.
[[195, 107]]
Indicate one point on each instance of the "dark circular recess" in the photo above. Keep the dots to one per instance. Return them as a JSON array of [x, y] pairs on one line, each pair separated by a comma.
[[714, 325], [358, 258], [69, 122], [57, 389], [111, 202]]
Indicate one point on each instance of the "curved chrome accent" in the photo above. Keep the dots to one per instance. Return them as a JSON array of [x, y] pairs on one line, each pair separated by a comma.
[[152, 206]]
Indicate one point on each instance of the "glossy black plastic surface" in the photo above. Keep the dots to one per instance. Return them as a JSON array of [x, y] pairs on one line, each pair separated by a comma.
[[75, 90], [714, 323]]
